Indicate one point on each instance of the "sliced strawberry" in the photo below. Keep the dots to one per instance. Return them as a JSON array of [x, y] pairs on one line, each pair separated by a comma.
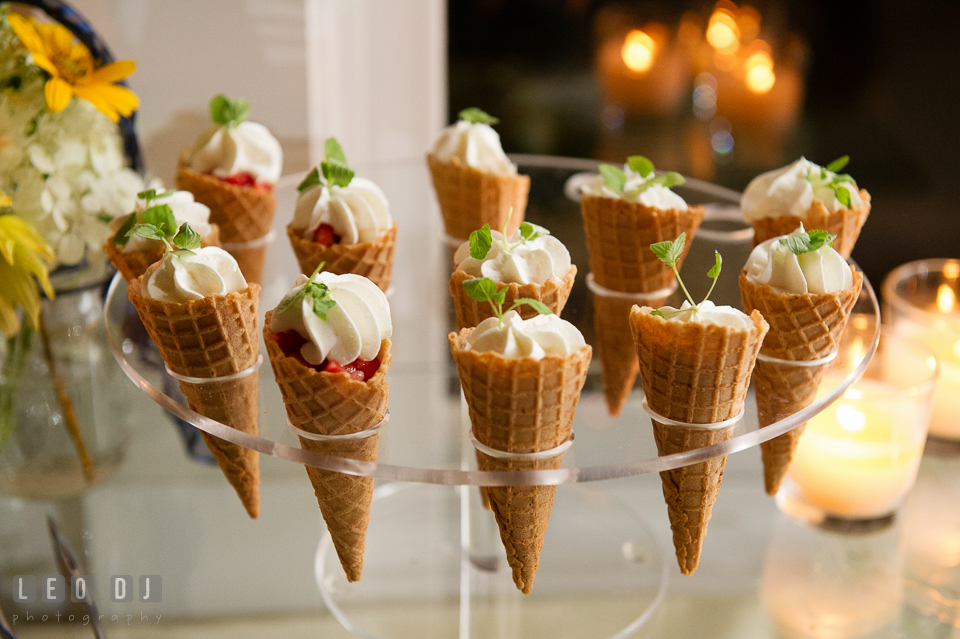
[[332, 366], [290, 343], [241, 179], [325, 235], [361, 369]]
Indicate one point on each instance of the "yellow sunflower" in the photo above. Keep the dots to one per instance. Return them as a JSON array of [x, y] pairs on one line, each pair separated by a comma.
[[72, 71], [23, 256]]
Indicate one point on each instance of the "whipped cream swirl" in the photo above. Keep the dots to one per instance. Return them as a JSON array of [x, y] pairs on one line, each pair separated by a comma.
[[353, 328], [184, 209], [476, 145], [820, 271], [358, 212], [247, 147], [193, 276], [708, 313], [791, 190], [526, 262], [536, 338], [655, 196]]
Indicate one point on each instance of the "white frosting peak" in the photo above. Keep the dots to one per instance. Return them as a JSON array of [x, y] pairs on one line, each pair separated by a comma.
[[655, 196], [358, 212], [193, 276], [353, 328], [791, 190], [247, 147], [476, 145], [535, 338], [534, 262], [184, 209], [708, 313], [820, 271]]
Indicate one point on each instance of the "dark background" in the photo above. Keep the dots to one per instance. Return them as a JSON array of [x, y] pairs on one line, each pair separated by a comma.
[[882, 85]]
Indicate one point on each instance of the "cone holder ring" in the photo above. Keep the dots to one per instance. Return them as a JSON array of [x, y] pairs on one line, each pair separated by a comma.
[[360, 434], [673, 422], [247, 372], [603, 291], [502, 454], [820, 361], [250, 244]]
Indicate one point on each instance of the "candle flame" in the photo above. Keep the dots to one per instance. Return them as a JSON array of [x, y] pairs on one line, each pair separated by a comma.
[[723, 34], [946, 299], [760, 75], [851, 419], [638, 51], [951, 270]]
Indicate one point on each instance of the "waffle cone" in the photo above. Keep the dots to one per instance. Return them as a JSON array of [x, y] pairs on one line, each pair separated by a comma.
[[471, 312], [209, 338], [618, 357], [845, 224], [373, 259], [333, 404], [520, 405], [619, 234], [470, 198], [803, 327], [694, 373], [243, 214], [135, 263]]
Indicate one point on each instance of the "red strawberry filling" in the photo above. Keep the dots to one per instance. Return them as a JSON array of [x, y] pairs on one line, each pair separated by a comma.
[[247, 180], [291, 341], [325, 235]]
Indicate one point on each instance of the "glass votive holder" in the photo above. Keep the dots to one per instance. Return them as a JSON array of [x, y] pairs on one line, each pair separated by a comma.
[[857, 459], [921, 299]]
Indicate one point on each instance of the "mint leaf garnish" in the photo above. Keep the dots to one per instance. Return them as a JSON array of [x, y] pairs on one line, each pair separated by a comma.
[[312, 179], [480, 243], [537, 305], [186, 238], [149, 231], [640, 164], [713, 274], [483, 289], [473, 115], [843, 196], [333, 151], [658, 314], [153, 194], [669, 252], [807, 242], [529, 232], [838, 164], [336, 173], [122, 236], [161, 216], [228, 112], [318, 292], [613, 177]]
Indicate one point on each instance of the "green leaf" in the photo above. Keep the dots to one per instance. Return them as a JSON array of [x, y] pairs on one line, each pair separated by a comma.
[[481, 289], [473, 115], [838, 164], [843, 196], [322, 302], [640, 164], [530, 232], [537, 305], [228, 112], [336, 173], [186, 238], [669, 252], [312, 179], [153, 194], [500, 296], [161, 216], [714, 273], [807, 242], [287, 302], [658, 314], [122, 236], [148, 231], [333, 151], [668, 180], [480, 242], [183, 252], [613, 177]]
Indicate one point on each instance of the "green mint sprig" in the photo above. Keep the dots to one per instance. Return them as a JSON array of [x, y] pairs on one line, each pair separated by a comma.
[[615, 179], [153, 194], [228, 111], [184, 242], [318, 292], [333, 168], [836, 180], [473, 115], [122, 236], [808, 242], [481, 240], [483, 289], [669, 253], [159, 216]]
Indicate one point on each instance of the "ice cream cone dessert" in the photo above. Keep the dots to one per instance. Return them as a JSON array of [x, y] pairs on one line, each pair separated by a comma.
[[475, 182], [329, 346], [202, 314], [806, 194], [805, 290], [232, 168], [343, 222], [695, 366], [522, 381], [532, 264], [132, 254]]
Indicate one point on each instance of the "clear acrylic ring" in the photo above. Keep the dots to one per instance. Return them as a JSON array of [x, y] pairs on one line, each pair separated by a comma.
[[502, 454], [247, 372], [673, 422], [360, 434], [789, 362], [602, 291], [251, 244]]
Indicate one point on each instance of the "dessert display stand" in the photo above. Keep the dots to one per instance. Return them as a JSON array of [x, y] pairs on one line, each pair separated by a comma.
[[429, 537]]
